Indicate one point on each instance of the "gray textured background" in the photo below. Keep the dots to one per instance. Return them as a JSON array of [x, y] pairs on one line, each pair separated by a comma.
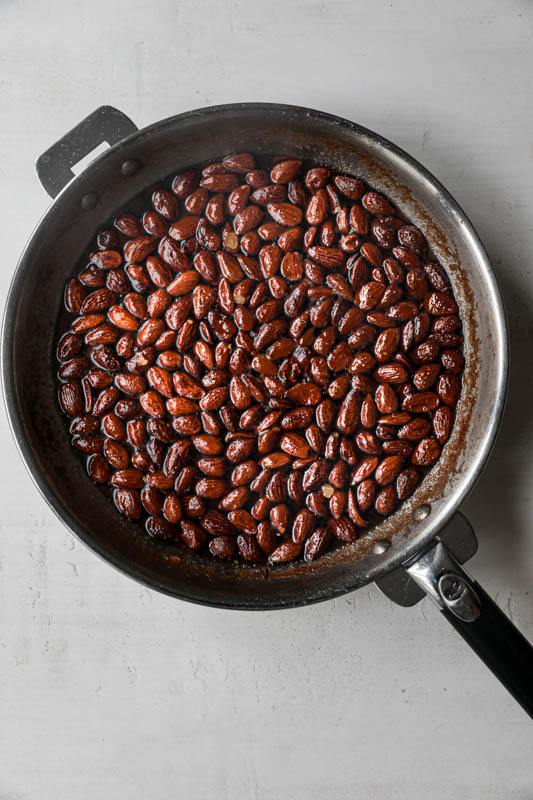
[[109, 690]]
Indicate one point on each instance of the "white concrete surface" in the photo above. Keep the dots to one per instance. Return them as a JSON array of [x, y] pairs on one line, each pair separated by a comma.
[[109, 690]]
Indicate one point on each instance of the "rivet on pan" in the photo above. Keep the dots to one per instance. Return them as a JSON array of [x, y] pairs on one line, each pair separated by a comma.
[[452, 587], [422, 512], [130, 167], [90, 200], [380, 546]]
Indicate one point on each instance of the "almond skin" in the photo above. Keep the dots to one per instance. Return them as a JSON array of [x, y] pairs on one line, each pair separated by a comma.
[[295, 445], [286, 551], [247, 219], [327, 256], [305, 394], [285, 213], [426, 453], [388, 470], [284, 171], [183, 283]]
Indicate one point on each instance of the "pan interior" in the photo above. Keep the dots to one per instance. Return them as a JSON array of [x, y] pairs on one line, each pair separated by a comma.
[[64, 235]]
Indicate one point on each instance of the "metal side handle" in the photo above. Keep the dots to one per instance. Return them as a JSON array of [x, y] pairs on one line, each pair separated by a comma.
[[106, 124], [477, 618]]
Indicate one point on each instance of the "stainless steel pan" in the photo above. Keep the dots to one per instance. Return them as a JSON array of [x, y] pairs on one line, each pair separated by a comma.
[[418, 550]]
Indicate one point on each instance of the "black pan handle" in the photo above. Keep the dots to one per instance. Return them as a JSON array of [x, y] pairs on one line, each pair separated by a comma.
[[106, 124], [473, 614]]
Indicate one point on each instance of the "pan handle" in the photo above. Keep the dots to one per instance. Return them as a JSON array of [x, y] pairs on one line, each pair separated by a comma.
[[477, 618], [106, 124]]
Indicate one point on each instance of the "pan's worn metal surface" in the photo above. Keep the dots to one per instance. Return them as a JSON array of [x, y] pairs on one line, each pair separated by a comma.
[[139, 161]]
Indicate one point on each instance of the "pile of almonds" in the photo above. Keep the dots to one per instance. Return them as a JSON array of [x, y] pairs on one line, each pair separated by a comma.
[[265, 363]]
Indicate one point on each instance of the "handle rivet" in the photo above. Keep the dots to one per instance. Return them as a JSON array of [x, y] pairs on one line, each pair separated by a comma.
[[451, 587], [90, 201], [380, 546], [422, 512], [130, 167]]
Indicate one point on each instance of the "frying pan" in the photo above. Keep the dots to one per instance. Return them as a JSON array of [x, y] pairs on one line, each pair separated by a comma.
[[419, 549]]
